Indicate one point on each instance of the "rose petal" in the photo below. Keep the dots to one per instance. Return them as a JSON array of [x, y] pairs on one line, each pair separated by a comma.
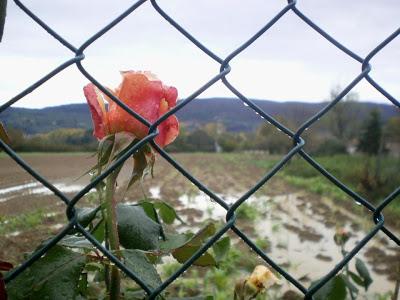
[[142, 96], [145, 95], [170, 95], [168, 131], [98, 114], [149, 75]]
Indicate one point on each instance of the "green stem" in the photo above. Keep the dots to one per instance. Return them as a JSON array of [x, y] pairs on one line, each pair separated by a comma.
[[112, 233], [104, 218], [347, 273]]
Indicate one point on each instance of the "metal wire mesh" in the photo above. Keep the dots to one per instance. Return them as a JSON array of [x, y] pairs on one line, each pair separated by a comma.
[[297, 149]]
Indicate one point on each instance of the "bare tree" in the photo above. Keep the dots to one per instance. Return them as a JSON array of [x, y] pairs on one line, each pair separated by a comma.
[[342, 117], [215, 130]]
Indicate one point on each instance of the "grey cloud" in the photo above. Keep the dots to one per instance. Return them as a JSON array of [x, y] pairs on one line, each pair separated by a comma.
[[222, 25]]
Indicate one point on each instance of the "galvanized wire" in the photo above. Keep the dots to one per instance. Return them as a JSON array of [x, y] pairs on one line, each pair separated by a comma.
[[297, 149]]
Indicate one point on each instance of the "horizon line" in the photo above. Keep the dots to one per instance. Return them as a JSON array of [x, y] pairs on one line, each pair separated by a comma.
[[378, 102]]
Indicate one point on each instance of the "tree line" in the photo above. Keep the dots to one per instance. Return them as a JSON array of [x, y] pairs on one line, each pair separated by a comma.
[[341, 130]]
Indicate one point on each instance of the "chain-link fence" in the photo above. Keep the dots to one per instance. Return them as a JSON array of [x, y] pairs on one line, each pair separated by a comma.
[[297, 149]]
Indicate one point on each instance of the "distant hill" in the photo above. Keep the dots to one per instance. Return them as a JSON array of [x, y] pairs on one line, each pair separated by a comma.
[[231, 112], [32, 121]]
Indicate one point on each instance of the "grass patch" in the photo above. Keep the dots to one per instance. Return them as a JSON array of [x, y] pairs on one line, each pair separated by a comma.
[[218, 282], [355, 171], [247, 212], [316, 185], [21, 222]]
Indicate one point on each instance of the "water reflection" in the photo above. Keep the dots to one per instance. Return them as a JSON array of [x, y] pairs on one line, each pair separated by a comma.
[[299, 237]]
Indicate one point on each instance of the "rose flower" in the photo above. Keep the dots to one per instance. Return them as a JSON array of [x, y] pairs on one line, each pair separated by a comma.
[[145, 95], [261, 279]]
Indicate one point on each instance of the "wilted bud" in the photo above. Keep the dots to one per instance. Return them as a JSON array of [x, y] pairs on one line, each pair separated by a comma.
[[261, 279], [341, 236]]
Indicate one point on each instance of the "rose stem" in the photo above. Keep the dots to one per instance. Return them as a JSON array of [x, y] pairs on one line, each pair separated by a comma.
[[112, 232]]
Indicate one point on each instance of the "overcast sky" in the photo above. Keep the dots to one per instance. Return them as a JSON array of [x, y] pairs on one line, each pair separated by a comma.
[[289, 62]]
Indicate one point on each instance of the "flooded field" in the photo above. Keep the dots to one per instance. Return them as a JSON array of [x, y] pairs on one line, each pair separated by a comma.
[[295, 228]]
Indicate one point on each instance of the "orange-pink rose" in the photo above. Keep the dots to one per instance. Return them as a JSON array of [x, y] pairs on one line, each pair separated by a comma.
[[144, 94]]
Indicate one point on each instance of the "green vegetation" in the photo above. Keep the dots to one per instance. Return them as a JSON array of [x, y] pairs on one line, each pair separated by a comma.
[[356, 171], [371, 135], [247, 212], [228, 111], [66, 139], [9, 224], [218, 282]]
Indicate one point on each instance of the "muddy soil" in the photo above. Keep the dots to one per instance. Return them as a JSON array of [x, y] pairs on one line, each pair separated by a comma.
[[294, 223], [22, 195]]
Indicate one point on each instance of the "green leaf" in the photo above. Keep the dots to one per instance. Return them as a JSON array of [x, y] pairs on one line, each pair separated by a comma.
[[134, 294], [54, 276], [350, 285], [203, 234], [3, 134], [185, 252], [104, 150], [334, 289], [86, 215], [221, 248], [183, 246], [99, 231], [174, 241], [73, 241], [83, 284], [94, 266], [363, 272], [139, 167], [149, 209], [153, 257], [137, 262], [357, 279], [167, 212], [135, 229]]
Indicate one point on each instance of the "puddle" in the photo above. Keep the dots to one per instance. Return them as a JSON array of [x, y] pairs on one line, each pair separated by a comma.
[[57, 226], [155, 192], [298, 238], [301, 240], [204, 203], [36, 188], [13, 234], [17, 188]]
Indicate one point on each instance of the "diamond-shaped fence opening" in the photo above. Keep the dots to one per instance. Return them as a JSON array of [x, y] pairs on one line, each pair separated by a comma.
[[78, 55]]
